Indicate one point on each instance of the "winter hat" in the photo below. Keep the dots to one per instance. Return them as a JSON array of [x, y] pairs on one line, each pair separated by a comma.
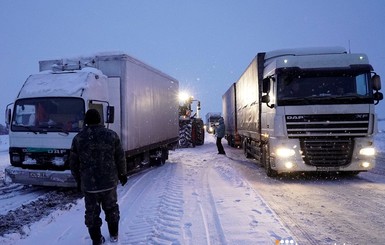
[[92, 117]]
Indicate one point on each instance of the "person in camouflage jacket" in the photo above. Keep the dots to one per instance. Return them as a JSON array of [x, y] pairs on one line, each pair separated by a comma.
[[98, 163]]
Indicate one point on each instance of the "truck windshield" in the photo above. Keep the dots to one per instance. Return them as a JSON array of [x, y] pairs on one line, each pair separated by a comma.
[[324, 88], [48, 114]]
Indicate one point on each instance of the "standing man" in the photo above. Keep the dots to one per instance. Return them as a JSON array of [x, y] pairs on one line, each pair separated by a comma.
[[98, 163], [220, 133]]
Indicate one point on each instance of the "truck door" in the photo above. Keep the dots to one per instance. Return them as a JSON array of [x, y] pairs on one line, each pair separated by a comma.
[[115, 100]]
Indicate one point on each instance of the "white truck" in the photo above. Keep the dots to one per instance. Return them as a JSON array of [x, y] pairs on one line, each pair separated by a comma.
[[211, 121], [304, 110], [137, 101]]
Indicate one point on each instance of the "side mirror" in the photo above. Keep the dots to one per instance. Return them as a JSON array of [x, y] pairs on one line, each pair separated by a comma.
[[266, 85], [265, 99], [8, 115], [110, 114], [376, 82]]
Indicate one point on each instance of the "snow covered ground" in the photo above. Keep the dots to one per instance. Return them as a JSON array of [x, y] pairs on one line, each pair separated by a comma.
[[196, 198], [199, 197]]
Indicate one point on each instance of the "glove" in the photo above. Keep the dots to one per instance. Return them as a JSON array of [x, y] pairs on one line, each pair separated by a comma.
[[123, 179]]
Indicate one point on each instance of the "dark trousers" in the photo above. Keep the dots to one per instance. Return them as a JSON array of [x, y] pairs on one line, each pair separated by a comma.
[[220, 146], [107, 200]]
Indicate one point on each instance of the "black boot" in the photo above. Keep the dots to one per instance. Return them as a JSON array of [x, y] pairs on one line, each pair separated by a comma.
[[96, 235], [113, 228]]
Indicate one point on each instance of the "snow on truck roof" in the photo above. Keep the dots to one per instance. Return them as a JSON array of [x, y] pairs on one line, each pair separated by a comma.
[[92, 60], [50, 83]]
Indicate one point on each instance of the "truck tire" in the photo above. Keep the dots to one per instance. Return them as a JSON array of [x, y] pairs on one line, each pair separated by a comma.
[[184, 134], [245, 148], [158, 157], [200, 131], [265, 161]]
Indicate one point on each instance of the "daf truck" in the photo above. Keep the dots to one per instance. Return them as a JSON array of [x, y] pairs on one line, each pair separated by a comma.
[[308, 110], [135, 100]]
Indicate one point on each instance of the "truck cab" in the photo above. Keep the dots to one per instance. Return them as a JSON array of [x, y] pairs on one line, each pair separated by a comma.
[[43, 120], [309, 110]]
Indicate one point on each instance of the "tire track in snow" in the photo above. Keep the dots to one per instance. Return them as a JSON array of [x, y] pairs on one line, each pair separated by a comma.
[[152, 208], [202, 223], [230, 211], [239, 197]]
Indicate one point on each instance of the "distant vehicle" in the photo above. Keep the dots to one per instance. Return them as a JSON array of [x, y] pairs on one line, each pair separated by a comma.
[[212, 121], [137, 101], [301, 110], [191, 127]]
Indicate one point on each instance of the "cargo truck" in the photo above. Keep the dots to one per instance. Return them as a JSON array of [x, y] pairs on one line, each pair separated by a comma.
[[136, 100], [307, 110]]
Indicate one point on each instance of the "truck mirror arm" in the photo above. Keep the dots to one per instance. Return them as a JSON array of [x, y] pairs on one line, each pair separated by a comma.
[[377, 96], [266, 99]]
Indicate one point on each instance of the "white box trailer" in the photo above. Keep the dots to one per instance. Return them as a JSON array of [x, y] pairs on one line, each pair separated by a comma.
[[136, 100]]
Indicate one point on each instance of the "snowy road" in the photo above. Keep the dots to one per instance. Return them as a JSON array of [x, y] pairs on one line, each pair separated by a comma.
[[326, 209], [199, 197]]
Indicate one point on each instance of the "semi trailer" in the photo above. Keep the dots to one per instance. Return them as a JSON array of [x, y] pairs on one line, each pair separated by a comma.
[[135, 100], [229, 111], [306, 110]]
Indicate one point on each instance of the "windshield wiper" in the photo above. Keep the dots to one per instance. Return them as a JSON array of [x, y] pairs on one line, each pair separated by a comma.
[[351, 96], [296, 99], [54, 127], [28, 127]]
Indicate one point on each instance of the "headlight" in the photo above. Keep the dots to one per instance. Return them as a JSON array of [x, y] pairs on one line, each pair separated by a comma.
[[368, 151], [285, 152], [289, 165], [16, 158]]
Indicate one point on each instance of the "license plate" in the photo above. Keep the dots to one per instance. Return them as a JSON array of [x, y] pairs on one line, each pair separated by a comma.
[[328, 169], [38, 175]]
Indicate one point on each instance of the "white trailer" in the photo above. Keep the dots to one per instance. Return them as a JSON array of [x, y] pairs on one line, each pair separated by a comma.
[[311, 109], [137, 101]]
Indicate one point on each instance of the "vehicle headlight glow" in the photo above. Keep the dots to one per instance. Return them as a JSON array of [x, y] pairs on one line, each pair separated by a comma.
[[368, 151], [365, 164], [289, 165], [285, 152]]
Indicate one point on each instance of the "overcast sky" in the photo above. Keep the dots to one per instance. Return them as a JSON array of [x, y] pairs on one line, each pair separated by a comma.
[[205, 44]]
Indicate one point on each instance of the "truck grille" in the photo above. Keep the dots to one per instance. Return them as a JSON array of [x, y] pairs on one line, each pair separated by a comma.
[[327, 151], [348, 125], [327, 140]]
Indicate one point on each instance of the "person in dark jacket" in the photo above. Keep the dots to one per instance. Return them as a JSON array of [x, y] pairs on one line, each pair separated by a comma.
[[220, 133], [98, 163]]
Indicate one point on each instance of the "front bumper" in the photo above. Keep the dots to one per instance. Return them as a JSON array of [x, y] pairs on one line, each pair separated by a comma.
[[40, 177]]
